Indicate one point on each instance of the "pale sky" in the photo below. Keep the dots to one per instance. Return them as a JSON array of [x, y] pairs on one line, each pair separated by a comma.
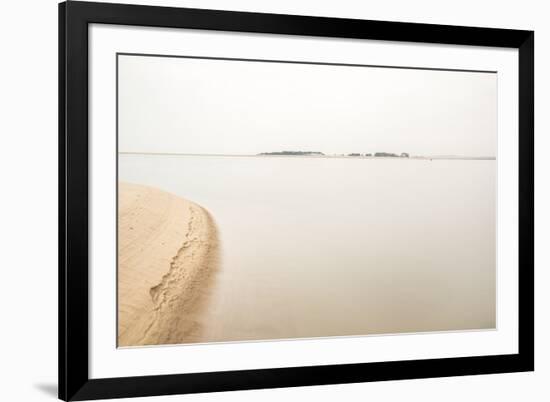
[[237, 107]]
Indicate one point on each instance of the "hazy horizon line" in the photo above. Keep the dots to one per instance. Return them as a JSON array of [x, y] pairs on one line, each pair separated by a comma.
[[324, 155]]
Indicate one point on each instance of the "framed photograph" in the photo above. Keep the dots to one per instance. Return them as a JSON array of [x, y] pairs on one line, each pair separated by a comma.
[[256, 200]]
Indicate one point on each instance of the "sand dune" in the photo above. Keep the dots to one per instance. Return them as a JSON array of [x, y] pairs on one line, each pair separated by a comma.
[[167, 253]]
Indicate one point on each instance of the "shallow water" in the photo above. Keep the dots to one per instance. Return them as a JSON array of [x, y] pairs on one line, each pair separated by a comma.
[[326, 247]]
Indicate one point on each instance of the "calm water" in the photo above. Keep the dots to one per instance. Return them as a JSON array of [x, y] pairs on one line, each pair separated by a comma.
[[325, 247]]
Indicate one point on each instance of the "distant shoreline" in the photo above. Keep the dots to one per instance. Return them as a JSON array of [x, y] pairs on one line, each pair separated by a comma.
[[314, 156]]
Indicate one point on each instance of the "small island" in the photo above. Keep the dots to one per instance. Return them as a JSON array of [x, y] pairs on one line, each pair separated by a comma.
[[352, 154], [293, 153]]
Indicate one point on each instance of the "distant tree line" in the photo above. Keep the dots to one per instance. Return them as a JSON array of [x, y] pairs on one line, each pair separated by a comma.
[[383, 155], [306, 153], [298, 153]]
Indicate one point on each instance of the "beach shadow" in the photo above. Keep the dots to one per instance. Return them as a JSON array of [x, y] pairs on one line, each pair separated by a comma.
[[47, 389]]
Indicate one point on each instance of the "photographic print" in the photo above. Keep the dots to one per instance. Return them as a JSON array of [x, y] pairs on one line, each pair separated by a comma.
[[253, 201], [266, 200]]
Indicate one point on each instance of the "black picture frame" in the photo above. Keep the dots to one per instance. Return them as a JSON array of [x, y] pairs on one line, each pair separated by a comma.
[[74, 381]]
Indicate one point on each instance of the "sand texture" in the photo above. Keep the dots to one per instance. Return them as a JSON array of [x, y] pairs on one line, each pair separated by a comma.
[[167, 255]]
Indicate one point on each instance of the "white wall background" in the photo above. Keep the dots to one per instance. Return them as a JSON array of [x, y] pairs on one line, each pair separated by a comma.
[[28, 201]]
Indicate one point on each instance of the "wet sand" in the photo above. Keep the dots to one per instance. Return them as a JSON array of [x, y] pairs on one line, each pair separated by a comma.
[[167, 255]]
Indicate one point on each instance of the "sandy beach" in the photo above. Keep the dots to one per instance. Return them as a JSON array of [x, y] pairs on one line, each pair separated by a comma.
[[167, 255]]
